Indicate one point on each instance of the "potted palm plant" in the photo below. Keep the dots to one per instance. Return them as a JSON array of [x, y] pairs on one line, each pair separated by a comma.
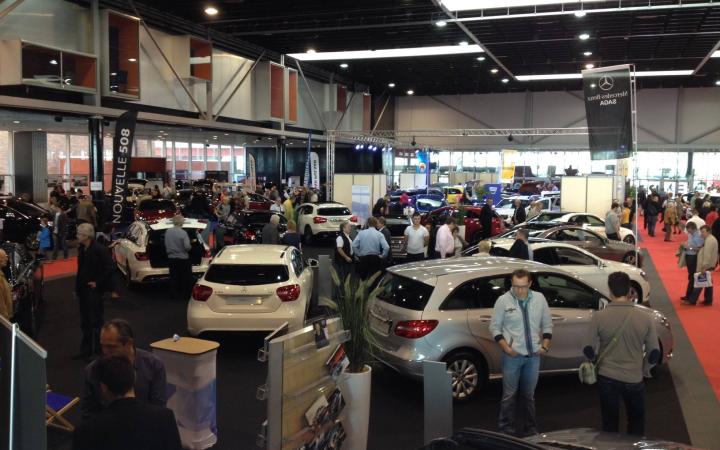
[[352, 297], [460, 220]]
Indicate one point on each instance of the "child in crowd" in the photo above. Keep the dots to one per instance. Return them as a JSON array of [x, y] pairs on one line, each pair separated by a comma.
[[45, 237]]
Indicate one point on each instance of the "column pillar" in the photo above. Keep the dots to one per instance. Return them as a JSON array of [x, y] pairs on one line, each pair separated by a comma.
[[30, 164], [95, 156], [280, 152]]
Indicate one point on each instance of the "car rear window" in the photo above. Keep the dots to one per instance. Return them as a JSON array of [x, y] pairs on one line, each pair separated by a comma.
[[338, 211], [404, 292], [246, 274]]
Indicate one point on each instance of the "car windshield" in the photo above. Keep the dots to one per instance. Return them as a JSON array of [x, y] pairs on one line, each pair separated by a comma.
[[246, 274], [154, 205], [334, 211], [404, 292], [505, 203], [26, 208], [429, 202]]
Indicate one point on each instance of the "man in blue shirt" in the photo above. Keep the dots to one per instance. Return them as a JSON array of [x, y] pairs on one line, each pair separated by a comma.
[[522, 326], [694, 242], [371, 248]]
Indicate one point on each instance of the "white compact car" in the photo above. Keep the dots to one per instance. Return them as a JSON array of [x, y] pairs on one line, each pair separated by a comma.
[[596, 224], [252, 288], [588, 267], [323, 220], [140, 253]]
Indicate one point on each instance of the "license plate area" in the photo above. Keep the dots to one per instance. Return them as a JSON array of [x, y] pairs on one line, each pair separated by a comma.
[[380, 326], [242, 300]]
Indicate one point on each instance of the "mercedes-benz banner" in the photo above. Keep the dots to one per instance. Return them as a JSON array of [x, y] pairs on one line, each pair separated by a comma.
[[608, 108], [122, 154]]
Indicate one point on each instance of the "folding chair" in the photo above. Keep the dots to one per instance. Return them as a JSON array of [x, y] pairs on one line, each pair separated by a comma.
[[55, 406]]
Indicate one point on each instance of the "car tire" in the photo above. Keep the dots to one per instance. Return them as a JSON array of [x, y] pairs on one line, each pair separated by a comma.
[[636, 293], [630, 258], [32, 242], [308, 235], [469, 374], [629, 239]]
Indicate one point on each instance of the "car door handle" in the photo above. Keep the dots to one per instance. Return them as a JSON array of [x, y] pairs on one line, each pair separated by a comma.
[[485, 318], [558, 318]]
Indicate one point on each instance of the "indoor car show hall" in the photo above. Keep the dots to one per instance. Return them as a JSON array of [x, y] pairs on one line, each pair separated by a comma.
[[416, 225]]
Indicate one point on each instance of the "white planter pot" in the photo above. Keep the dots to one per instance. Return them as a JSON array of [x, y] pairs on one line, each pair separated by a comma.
[[461, 232], [355, 388]]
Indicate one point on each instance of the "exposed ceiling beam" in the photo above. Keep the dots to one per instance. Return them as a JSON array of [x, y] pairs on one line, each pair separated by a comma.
[[373, 26], [474, 38], [707, 58]]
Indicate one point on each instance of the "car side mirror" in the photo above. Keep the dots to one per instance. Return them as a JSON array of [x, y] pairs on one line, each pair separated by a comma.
[[313, 263], [601, 264]]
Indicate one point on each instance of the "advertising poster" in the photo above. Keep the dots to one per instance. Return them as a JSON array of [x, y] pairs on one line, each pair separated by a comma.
[[493, 191], [314, 170], [608, 108], [423, 165], [308, 173], [507, 171], [122, 154], [361, 202], [251, 180]]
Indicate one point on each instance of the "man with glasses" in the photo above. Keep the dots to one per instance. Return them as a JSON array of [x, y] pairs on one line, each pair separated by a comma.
[[522, 326]]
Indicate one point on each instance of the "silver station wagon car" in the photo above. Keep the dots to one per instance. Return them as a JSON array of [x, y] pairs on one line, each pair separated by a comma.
[[440, 310]]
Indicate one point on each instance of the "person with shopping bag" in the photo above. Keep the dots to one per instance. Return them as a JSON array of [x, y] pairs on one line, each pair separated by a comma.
[[707, 259], [692, 246]]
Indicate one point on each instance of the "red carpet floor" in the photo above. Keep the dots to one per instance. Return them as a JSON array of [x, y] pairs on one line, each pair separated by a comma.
[[701, 323], [60, 267]]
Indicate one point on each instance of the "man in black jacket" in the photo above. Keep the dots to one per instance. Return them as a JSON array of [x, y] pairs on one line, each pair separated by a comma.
[[92, 280], [486, 216], [520, 248], [519, 214], [126, 423]]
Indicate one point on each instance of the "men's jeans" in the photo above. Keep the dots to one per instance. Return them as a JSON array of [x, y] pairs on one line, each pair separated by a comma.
[[691, 263], [651, 221], [520, 376], [633, 394], [60, 242]]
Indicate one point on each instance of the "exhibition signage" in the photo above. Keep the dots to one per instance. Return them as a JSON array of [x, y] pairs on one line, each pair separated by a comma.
[[122, 154], [251, 180], [423, 165], [314, 170], [608, 107], [507, 172], [306, 179]]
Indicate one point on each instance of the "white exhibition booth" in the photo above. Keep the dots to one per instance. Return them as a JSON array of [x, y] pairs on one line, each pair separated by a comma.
[[592, 194], [360, 191]]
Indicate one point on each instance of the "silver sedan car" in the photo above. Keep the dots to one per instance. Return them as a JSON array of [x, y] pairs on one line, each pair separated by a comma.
[[440, 310]]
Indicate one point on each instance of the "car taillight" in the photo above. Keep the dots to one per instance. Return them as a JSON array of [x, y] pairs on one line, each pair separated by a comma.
[[249, 235], [353, 219], [201, 293], [288, 293], [414, 329], [142, 256], [319, 220]]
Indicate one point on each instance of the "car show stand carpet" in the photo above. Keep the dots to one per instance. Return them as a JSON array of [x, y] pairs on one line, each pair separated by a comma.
[[700, 322], [60, 268]]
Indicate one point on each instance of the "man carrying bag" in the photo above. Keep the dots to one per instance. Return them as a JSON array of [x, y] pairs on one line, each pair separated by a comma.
[[707, 259], [623, 338]]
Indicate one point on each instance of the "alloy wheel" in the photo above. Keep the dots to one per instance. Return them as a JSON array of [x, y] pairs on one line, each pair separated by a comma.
[[464, 378]]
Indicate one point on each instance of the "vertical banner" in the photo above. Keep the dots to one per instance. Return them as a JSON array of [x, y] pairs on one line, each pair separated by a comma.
[[423, 165], [306, 179], [507, 171], [314, 170], [122, 154], [608, 108], [251, 179]]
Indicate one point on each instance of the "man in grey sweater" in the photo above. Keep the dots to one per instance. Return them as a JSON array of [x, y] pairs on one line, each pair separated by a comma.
[[177, 247], [620, 373]]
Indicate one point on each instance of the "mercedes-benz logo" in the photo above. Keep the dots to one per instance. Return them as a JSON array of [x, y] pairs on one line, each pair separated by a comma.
[[606, 82]]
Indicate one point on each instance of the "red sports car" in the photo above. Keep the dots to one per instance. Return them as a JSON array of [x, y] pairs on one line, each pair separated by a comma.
[[152, 210], [258, 202], [473, 228]]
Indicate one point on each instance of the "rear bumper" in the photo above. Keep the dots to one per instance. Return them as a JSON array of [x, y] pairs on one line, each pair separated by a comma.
[[200, 319], [407, 359], [154, 275]]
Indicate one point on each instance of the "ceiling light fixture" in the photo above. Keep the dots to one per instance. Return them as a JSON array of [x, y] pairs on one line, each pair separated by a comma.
[[463, 43], [469, 5], [717, 83], [584, 36], [410, 92], [388, 53], [505, 80], [211, 11], [716, 54], [16, 121], [592, 85], [493, 71], [391, 85], [310, 51], [132, 59], [589, 66], [587, 53], [344, 65], [440, 23], [53, 62], [481, 58], [577, 76], [580, 13]]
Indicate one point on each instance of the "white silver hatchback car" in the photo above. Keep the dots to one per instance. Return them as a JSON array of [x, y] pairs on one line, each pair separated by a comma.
[[322, 220], [252, 288], [440, 310]]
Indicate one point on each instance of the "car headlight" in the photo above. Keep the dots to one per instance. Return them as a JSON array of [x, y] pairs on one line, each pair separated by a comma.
[[643, 274]]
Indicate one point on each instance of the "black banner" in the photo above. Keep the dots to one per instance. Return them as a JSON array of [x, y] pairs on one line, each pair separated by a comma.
[[122, 154], [609, 112]]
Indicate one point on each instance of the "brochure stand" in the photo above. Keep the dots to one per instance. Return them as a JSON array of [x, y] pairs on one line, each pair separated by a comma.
[[191, 383], [303, 400]]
